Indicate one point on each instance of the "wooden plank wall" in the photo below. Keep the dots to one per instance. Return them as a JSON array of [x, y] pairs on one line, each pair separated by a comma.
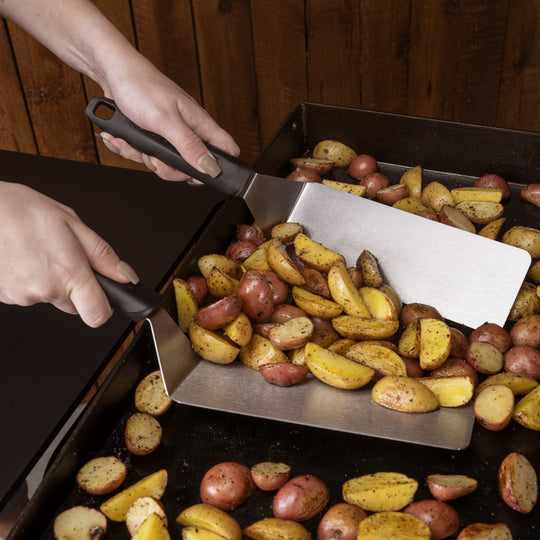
[[249, 62]]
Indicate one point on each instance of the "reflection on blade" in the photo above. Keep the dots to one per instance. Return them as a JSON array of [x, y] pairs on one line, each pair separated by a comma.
[[175, 354]]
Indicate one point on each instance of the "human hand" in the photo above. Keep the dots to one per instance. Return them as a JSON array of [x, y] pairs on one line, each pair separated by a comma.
[[155, 103], [48, 255]]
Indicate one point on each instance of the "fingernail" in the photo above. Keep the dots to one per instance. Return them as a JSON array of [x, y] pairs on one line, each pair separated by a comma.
[[149, 165], [127, 271], [109, 145], [207, 164]]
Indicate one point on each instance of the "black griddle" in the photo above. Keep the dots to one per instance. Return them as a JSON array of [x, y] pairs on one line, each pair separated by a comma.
[[195, 439]]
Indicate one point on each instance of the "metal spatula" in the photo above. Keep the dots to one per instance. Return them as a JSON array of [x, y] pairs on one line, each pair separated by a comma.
[[468, 278]]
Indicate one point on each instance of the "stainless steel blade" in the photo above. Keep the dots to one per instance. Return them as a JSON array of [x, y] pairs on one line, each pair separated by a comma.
[[173, 349], [468, 278]]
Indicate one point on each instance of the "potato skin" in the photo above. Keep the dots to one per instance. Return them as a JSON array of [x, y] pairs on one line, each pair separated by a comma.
[[304, 175], [362, 165], [460, 343], [256, 296], [373, 183], [494, 334], [531, 193], [270, 476], [280, 290], [392, 194], [249, 233], [284, 373], [518, 483], [227, 485], [340, 521], [455, 367], [220, 313], [523, 359], [301, 498], [526, 331], [440, 517], [240, 250], [199, 288], [416, 310], [494, 181]]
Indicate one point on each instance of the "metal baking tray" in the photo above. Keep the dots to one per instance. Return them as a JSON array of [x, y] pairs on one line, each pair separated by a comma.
[[196, 437]]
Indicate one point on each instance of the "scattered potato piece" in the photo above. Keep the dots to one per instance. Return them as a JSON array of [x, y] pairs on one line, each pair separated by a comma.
[[412, 178], [80, 522], [527, 410], [384, 525], [153, 528], [404, 394], [275, 528], [452, 391], [101, 475], [142, 434], [186, 303], [315, 254], [357, 328], [493, 406], [378, 357], [140, 509], [485, 531], [353, 189], [518, 483], [461, 194], [448, 487], [435, 343], [269, 475], [368, 264], [492, 229], [150, 395], [211, 518]]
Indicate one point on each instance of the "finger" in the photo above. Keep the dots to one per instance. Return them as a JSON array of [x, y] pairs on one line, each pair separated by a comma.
[[89, 300], [119, 146]]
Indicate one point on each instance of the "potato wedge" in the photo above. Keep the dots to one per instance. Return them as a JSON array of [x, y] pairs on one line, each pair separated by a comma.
[[195, 533], [269, 475], [384, 525], [448, 487], [186, 303], [481, 212], [380, 492], [492, 229], [449, 215], [450, 391], [435, 195], [517, 382], [335, 151], [435, 343], [260, 351], [211, 346], [378, 357], [80, 522], [139, 511], [378, 303], [344, 292], [316, 282], [527, 302], [341, 345], [211, 518], [276, 529], [409, 341], [101, 475], [413, 205], [527, 410], [518, 483], [526, 238], [336, 370], [239, 330], [394, 297], [358, 328], [258, 259], [286, 232], [485, 531], [220, 284], [292, 334], [282, 264], [153, 485], [353, 189], [472, 193], [153, 528], [316, 255], [368, 264], [404, 394], [224, 264], [412, 178], [150, 395], [315, 305], [493, 406]]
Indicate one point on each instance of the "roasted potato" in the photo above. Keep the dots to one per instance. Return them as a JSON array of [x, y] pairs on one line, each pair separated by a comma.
[[435, 195], [220, 284], [142, 434], [526, 331], [260, 351], [315, 305], [282, 264], [140, 509], [518, 383], [240, 250], [219, 313], [292, 334], [368, 264], [494, 334], [211, 518], [378, 357], [304, 175], [485, 357], [319, 165], [477, 193], [404, 394], [456, 367], [435, 343], [392, 194], [286, 232], [523, 359], [359, 328], [227, 485], [518, 483], [383, 525], [256, 296], [314, 254], [485, 531], [448, 487], [239, 330], [412, 178], [270, 475], [340, 521], [492, 229], [345, 293], [440, 517], [284, 373], [150, 395], [481, 212], [274, 528], [527, 410], [531, 193], [249, 233], [527, 238], [222, 263], [80, 522], [211, 346], [373, 183], [362, 165], [341, 154], [413, 205], [186, 303], [417, 310], [494, 406], [494, 181], [315, 282], [300, 498], [526, 303], [453, 391], [353, 189], [101, 475]]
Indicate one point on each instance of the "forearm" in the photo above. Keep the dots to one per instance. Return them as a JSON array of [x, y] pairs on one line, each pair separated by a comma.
[[75, 31]]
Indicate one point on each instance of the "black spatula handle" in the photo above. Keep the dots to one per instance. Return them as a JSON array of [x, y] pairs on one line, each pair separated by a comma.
[[231, 181], [135, 301]]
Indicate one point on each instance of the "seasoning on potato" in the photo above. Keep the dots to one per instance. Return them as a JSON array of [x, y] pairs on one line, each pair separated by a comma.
[[518, 483], [269, 475], [212, 519], [101, 475]]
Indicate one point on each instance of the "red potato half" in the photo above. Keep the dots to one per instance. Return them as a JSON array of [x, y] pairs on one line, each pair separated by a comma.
[[240, 250], [301, 498], [220, 313], [280, 290], [518, 483], [340, 522], [362, 165], [531, 193], [249, 233], [227, 485], [494, 181], [417, 310], [284, 373], [391, 194], [304, 175], [485, 357], [448, 487], [494, 406], [494, 334], [199, 288], [526, 331], [440, 517], [455, 367], [460, 343], [270, 475], [453, 217], [319, 165], [523, 359], [256, 296], [373, 183]]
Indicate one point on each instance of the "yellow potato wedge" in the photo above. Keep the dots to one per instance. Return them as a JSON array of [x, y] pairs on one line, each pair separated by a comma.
[[276, 529], [315, 305], [477, 194], [481, 212], [224, 264], [336, 370], [492, 229], [315, 254], [527, 302], [210, 346], [413, 205], [368, 264], [139, 511], [186, 304], [526, 238], [260, 351], [153, 485], [378, 357], [379, 304], [394, 297], [258, 259], [286, 232], [435, 195], [335, 151], [404, 394], [450, 391], [195, 533], [220, 284], [211, 518], [281, 263], [353, 189], [412, 178], [485, 531], [409, 341], [385, 525], [517, 382], [358, 328], [239, 330], [341, 345], [153, 528], [344, 292], [527, 410], [435, 343], [380, 492]]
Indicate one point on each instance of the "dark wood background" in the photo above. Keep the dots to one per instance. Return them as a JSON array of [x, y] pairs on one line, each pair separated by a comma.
[[249, 62]]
